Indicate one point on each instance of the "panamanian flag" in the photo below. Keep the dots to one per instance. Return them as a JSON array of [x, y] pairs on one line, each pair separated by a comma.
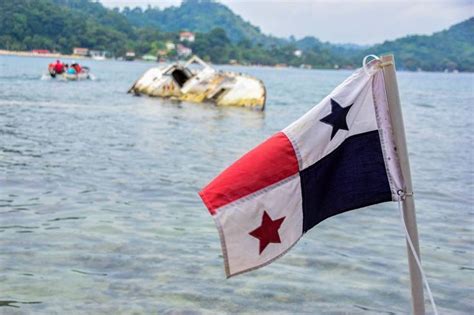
[[338, 157]]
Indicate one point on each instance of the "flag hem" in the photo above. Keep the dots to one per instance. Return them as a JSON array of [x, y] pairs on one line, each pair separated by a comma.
[[206, 203], [385, 130]]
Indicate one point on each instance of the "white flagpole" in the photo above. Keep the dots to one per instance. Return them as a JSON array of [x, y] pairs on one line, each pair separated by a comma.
[[391, 87]]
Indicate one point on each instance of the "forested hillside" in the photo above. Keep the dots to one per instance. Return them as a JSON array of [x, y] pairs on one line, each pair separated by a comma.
[[30, 24], [450, 49], [197, 16], [221, 36]]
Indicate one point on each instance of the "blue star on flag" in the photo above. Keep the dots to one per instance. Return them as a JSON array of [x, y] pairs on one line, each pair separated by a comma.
[[337, 118]]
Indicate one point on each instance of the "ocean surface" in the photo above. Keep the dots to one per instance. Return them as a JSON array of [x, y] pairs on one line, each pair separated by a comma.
[[99, 212]]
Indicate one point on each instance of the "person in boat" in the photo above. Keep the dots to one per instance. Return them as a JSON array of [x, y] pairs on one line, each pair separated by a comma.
[[58, 67], [51, 71], [76, 67], [71, 70]]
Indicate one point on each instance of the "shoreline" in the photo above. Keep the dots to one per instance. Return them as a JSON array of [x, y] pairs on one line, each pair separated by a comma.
[[20, 53]]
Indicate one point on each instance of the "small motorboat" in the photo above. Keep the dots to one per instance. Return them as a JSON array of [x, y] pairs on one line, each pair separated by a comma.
[[70, 73], [83, 75], [206, 84]]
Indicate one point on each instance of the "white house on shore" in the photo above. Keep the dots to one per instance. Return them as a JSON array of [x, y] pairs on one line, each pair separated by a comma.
[[79, 51], [183, 51], [170, 46], [186, 36], [98, 54]]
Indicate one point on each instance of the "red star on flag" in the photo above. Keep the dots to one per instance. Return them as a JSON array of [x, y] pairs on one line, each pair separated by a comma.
[[267, 232]]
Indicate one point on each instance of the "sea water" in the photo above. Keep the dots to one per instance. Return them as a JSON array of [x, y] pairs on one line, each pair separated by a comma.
[[99, 212]]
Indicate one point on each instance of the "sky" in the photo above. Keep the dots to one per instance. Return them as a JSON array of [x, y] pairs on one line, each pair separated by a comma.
[[361, 22]]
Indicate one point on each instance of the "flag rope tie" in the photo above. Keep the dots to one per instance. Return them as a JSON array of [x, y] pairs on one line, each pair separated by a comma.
[[380, 64], [365, 63], [385, 64], [403, 195]]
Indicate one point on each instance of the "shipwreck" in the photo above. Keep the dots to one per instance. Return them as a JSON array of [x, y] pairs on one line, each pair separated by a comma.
[[201, 84]]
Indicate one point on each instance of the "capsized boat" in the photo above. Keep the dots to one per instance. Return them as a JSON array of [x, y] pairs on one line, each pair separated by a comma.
[[206, 84]]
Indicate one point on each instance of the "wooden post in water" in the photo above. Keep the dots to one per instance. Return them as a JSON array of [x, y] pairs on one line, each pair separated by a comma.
[[391, 88]]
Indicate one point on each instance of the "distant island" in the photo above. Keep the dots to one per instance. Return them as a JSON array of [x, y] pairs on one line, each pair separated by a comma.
[[210, 30]]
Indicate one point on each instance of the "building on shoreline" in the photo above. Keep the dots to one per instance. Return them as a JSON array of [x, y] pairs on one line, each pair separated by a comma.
[[79, 51], [187, 36], [183, 51]]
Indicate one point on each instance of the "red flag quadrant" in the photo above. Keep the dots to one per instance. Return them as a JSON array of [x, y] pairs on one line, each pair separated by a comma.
[[339, 156]]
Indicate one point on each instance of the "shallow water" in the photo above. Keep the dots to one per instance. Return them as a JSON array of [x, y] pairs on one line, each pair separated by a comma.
[[99, 211]]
